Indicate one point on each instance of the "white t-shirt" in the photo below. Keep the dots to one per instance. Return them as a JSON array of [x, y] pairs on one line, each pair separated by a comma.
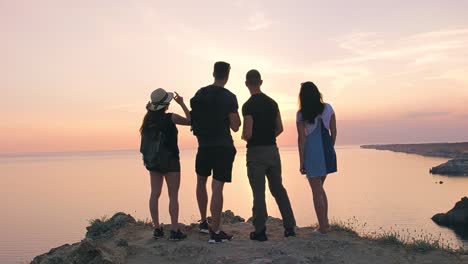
[[326, 117]]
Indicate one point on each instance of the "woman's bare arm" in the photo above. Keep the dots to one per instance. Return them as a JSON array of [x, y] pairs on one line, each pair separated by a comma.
[[177, 119], [333, 128], [180, 120], [301, 144]]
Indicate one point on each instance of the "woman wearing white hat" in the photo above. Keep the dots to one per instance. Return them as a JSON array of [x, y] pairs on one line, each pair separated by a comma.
[[158, 119]]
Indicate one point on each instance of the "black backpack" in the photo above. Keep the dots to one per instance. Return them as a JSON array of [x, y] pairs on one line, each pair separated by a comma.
[[208, 116], [156, 155]]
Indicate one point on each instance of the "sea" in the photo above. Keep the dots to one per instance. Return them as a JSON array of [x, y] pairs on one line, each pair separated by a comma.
[[47, 200]]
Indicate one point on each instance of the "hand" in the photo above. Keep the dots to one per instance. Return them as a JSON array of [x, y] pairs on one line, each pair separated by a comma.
[[179, 99], [302, 170], [148, 106]]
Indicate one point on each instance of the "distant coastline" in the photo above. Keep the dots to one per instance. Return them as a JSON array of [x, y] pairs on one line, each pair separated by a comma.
[[457, 152]]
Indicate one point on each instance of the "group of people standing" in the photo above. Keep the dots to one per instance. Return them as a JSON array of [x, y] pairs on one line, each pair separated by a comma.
[[213, 114]]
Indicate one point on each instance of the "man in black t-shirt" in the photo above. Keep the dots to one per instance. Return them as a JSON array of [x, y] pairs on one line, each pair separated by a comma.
[[262, 124], [214, 114]]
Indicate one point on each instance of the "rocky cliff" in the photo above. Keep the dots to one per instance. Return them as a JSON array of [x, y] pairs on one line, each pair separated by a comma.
[[456, 218], [121, 239]]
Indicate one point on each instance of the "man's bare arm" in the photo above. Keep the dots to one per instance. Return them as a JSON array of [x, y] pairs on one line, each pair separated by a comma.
[[247, 128], [279, 125], [234, 121]]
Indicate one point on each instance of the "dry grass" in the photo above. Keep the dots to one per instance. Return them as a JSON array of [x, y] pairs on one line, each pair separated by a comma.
[[418, 240]]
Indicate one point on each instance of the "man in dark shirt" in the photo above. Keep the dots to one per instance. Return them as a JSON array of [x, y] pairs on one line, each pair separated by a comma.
[[214, 114], [262, 124]]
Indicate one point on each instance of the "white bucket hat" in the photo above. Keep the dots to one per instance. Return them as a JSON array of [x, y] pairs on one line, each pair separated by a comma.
[[160, 99]]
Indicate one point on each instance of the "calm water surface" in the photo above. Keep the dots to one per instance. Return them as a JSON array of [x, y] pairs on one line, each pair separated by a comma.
[[47, 200]]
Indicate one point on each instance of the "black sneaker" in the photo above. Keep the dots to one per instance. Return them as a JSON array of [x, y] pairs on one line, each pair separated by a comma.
[[219, 238], [289, 232], [259, 236], [177, 235], [158, 232], [203, 227]]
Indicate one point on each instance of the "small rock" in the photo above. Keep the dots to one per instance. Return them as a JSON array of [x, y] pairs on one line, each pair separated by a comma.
[[262, 261], [286, 260], [122, 243], [316, 259], [229, 218], [270, 220]]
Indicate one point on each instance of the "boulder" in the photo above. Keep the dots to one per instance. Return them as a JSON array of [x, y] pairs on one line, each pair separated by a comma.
[[87, 251], [99, 227], [271, 220], [229, 217]]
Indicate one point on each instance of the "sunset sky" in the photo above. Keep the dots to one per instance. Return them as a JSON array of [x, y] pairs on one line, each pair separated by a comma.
[[76, 75]]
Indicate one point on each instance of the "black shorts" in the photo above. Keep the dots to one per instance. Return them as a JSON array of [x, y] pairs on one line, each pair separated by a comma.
[[216, 159], [174, 166]]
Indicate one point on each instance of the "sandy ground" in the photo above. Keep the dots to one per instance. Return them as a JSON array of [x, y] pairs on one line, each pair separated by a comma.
[[134, 244]]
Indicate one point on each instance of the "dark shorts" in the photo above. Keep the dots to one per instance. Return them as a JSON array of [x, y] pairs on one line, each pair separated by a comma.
[[174, 166], [216, 159]]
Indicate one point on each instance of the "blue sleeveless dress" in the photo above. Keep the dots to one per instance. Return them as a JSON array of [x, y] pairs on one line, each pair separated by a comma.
[[319, 153]]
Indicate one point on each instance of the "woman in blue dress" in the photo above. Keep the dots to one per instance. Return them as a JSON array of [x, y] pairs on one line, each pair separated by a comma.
[[316, 127]]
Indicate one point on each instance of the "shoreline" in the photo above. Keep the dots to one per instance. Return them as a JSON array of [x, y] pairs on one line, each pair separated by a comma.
[[457, 153]]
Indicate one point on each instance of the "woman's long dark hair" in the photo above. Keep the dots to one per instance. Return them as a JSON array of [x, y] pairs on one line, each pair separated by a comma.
[[310, 102], [150, 118]]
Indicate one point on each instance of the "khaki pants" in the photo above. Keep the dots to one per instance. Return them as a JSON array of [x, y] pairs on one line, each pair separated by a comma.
[[265, 161]]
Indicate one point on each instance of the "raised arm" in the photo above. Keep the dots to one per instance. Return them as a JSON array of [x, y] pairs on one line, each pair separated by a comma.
[[333, 128], [279, 124], [301, 144], [177, 119], [247, 128]]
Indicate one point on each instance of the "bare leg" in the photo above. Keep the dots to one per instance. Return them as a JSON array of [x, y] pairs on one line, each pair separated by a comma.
[[216, 206], [325, 199], [319, 203], [173, 184], [156, 186], [202, 196]]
